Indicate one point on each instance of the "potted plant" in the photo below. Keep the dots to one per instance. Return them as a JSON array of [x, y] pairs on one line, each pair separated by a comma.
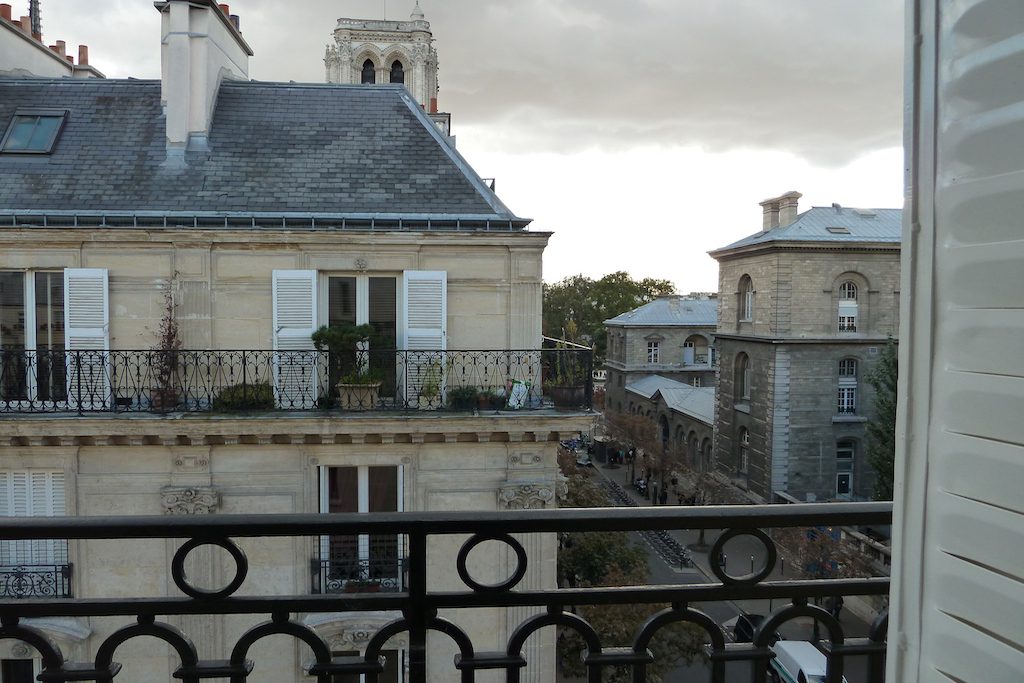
[[462, 398], [430, 388], [164, 393], [348, 348], [489, 399]]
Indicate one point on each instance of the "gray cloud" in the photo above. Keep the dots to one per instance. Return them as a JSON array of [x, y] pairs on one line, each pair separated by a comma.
[[818, 78]]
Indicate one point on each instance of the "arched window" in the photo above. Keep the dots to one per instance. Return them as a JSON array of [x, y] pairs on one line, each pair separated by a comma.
[[746, 302], [744, 451], [705, 462], [742, 377], [397, 72], [369, 72], [847, 397], [848, 306], [695, 350]]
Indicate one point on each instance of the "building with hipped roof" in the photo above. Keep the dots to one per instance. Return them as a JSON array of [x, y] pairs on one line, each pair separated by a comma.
[[221, 205], [672, 336], [806, 306], [685, 416]]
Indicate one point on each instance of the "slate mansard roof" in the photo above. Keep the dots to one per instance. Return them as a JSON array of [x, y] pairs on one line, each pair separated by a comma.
[[669, 311], [274, 148], [847, 226]]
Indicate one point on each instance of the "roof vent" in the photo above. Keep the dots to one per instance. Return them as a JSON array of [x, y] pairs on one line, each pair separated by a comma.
[[865, 213], [838, 230]]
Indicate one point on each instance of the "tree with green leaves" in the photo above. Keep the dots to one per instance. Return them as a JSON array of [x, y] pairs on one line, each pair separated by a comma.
[[589, 303], [610, 558], [881, 441]]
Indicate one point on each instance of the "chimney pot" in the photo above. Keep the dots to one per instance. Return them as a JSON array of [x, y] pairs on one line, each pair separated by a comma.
[[788, 207], [235, 22], [70, 58], [225, 8], [771, 214], [53, 48], [5, 12], [63, 47], [26, 25], [83, 55], [433, 105]]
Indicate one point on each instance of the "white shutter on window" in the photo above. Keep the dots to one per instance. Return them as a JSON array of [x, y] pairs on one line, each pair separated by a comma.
[[296, 364], [32, 493], [425, 293], [87, 334]]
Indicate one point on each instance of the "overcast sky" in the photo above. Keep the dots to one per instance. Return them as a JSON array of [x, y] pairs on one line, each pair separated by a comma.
[[643, 133]]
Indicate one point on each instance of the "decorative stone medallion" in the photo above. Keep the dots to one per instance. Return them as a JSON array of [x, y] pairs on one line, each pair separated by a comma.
[[189, 500]]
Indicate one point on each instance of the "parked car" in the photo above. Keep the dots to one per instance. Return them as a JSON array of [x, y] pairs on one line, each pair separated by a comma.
[[797, 661], [583, 460], [746, 626]]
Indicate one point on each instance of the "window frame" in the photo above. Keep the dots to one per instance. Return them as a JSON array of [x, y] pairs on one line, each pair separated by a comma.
[[743, 458], [743, 377], [746, 299], [61, 114], [653, 352]]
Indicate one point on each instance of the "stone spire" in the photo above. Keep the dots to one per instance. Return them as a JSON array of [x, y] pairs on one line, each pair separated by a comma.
[[417, 13]]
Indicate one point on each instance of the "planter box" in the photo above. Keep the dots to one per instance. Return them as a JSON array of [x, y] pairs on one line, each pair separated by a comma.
[[358, 396], [568, 396]]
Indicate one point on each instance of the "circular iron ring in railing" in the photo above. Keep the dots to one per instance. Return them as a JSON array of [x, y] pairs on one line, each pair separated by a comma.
[[502, 586], [181, 581], [771, 555]]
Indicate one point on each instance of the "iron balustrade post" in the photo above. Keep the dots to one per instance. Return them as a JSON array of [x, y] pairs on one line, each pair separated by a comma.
[[417, 613]]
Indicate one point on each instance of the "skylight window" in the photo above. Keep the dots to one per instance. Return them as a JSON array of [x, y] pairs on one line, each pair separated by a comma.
[[838, 230], [33, 132]]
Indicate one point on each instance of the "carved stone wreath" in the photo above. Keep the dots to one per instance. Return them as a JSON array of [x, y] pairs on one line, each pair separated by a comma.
[[527, 495], [189, 500]]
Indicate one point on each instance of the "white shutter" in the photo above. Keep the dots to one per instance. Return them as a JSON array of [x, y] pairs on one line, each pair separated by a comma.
[[296, 363], [87, 335], [32, 493], [425, 337]]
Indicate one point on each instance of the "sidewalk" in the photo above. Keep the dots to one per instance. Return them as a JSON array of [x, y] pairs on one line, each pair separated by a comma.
[[744, 547]]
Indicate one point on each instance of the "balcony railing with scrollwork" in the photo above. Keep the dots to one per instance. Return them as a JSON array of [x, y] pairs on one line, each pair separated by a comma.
[[374, 574], [247, 381], [35, 581], [417, 606]]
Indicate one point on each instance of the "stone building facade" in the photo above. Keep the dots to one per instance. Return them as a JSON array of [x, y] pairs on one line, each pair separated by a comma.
[[806, 307], [684, 414], [256, 245], [672, 337]]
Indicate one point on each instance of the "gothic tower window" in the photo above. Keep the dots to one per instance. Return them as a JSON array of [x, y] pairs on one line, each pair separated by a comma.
[[397, 72], [369, 72]]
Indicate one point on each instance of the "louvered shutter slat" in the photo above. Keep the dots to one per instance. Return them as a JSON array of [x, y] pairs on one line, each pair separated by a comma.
[[296, 363], [426, 328], [87, 334]]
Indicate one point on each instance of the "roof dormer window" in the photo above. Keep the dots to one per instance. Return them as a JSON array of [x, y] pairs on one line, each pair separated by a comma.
[[33, 132]]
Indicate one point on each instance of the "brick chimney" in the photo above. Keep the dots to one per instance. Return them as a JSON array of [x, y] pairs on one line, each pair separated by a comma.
[[200, 47], [781, 210]]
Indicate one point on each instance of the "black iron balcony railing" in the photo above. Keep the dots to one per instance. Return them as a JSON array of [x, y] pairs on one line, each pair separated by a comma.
[[35, 581], [417, 605], [220, 381], [374, 574]]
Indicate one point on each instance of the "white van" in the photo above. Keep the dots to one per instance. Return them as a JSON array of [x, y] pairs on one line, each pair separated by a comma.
[[797, 661]]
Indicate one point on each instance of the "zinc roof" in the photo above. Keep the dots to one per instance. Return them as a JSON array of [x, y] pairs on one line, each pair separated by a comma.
[[668, 311], [847, 225], [698, 402]]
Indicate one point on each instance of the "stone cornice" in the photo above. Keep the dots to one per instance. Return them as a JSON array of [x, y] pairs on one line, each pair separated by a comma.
[[803, 341], [204, 430], [833, 247]]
